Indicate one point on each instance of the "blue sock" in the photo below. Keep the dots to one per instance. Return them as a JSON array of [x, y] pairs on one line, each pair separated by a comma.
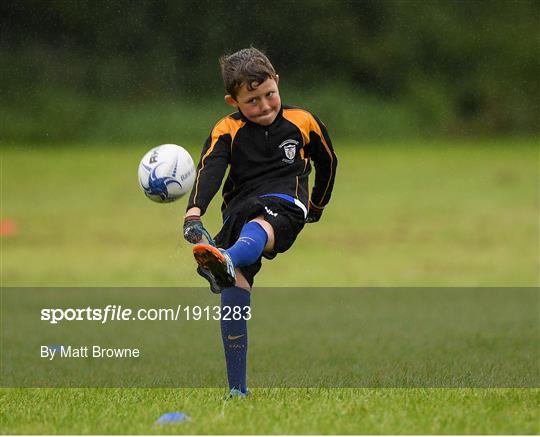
[[234, 335], [249, 246]]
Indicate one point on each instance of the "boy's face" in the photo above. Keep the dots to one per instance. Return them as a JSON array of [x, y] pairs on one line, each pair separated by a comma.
[[261, 105]]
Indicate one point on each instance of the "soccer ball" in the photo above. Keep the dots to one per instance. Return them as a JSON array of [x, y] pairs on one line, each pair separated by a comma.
[[166, 173]]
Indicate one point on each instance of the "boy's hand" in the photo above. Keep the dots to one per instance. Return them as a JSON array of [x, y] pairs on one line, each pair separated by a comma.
[[193, 229], [314, 214]]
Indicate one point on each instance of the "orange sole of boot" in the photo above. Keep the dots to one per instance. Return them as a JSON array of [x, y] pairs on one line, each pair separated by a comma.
[[205, 254], [210, 258]]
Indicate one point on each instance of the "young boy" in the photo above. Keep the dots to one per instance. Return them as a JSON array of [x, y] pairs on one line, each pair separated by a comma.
[[269, 147]]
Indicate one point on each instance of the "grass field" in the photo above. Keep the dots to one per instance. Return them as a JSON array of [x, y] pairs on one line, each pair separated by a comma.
[[273, 411], [430, 214]]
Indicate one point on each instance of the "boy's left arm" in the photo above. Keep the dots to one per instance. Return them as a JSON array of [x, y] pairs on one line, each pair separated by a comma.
[[325, 161]]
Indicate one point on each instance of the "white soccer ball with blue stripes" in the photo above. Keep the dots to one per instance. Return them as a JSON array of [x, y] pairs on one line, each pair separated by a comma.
[[166, 173]]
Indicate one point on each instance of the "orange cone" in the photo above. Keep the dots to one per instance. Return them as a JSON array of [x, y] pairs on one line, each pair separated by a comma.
[[7, 228]]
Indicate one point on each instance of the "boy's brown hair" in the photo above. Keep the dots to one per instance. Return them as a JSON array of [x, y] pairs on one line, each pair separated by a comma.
[[246, 66]]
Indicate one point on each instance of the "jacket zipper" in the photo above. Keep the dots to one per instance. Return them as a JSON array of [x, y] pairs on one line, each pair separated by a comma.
[[267, 150]]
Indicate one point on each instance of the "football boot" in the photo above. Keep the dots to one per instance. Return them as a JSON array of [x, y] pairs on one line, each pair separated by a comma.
[[216, 262], [237, 394]]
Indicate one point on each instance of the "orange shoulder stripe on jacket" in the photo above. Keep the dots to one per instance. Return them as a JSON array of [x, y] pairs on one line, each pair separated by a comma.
[[300, 119], [227, 125], [307, 123]]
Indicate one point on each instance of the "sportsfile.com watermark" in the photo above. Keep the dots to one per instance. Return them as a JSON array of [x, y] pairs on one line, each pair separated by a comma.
[[119, 313], [347, 337]]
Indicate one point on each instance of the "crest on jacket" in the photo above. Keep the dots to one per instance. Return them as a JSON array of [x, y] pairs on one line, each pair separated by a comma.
[[289, 148]]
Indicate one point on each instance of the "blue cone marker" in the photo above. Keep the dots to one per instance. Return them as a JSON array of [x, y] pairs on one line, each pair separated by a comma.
[[172, 418]]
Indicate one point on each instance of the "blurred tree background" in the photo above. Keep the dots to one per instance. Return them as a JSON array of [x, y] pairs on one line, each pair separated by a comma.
[[147, 71]]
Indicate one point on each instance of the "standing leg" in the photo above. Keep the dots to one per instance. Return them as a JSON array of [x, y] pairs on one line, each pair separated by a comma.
[[235, 304]]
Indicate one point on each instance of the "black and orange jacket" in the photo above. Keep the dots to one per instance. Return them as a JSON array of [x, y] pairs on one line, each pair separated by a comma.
[[274, 159]]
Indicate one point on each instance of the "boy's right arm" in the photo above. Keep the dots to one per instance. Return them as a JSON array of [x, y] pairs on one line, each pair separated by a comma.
[[215, 158]]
